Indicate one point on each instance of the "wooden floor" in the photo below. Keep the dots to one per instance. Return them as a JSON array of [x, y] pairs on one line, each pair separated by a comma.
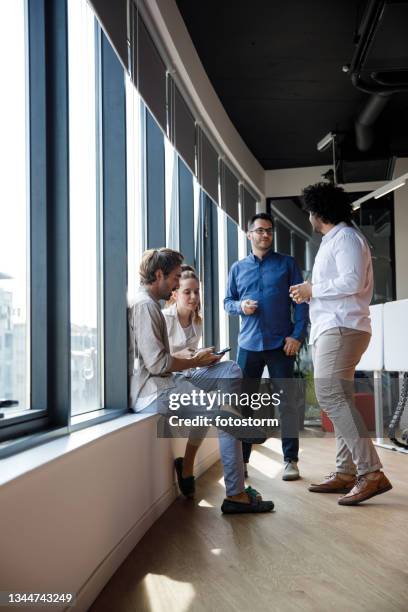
[[308, 555]]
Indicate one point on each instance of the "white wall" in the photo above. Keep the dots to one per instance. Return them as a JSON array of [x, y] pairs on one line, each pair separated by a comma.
[[69, 524]]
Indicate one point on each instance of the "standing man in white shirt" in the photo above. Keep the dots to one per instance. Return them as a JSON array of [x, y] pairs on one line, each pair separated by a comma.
[[339, 296]]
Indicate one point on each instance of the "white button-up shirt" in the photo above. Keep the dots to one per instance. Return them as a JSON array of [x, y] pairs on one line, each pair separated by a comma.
[[342, 282]]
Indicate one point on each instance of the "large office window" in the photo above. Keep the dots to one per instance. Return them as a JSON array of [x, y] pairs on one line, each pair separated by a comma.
[[243, 244], [154, 193], [172, 200], [186, 211], [14, 216], [299, 250], [376, 220], [233, 231], [209, 275], [85, 215], [282, 238], [222, 276]]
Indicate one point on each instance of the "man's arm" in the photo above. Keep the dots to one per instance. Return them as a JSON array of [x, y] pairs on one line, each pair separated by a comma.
[[203, 357], [232, 303], [351, 268], [300, 311], [147, 327]]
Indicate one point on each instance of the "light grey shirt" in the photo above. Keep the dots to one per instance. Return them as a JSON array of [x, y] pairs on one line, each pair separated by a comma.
[[149, 351]]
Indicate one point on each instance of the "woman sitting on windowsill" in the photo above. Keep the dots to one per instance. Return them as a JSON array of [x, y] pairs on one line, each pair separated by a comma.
[[184, 328]]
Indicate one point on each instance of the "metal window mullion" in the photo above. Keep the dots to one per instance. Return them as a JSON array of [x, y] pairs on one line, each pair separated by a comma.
[[99, 214], [37, 163], [210, 272], [215, 289], [143, 169], [114, 227], [232, 256], [58, 268]]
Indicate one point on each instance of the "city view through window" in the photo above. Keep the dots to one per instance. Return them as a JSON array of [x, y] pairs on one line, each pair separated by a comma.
[[14, 219]]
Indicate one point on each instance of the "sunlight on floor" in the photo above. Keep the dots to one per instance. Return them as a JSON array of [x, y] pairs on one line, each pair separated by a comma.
[[269, 468], [158, 588], [275, 444], [216, 551], [205, 504], [262, 461]]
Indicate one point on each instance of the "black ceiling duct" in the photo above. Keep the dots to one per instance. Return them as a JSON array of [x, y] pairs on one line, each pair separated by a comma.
[[379, 64], [367, 118]]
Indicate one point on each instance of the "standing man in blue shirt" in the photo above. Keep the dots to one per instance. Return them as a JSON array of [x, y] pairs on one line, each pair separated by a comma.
[[258, 291]]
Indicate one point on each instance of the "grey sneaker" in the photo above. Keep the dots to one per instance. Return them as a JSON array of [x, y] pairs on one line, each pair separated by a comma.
[[291, 471]]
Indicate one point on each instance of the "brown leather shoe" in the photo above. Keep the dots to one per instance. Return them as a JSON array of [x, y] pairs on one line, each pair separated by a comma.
[[334, 483], [365, 488]]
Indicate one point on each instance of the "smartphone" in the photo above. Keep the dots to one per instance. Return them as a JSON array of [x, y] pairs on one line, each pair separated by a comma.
[[226, 350]]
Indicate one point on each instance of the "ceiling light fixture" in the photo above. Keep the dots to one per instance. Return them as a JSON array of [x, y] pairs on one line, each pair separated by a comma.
[[382, 191], [322, 145], [325, 142], [392, 186]]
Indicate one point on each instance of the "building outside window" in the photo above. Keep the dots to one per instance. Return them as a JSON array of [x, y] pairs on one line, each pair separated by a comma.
[[14, 211], [84, 210]]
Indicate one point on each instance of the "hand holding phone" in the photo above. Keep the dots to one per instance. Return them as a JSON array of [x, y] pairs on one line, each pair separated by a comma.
[[205, 357], [226, 350]]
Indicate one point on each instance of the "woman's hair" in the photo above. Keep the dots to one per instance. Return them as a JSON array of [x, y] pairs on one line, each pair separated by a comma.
[[328, 202], [158, 259], [188, 272]]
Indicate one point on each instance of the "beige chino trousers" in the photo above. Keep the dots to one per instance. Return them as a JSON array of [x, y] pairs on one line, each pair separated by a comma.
[[336, 352]]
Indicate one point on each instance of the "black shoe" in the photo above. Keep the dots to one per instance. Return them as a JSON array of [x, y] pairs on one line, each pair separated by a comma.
[[255, 505], [186, 485]]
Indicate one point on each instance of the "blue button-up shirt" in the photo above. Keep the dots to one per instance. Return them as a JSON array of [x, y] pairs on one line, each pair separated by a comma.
[[266, 280]]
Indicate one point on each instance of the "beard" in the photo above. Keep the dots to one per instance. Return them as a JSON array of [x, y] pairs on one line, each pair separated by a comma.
[[264, 246]]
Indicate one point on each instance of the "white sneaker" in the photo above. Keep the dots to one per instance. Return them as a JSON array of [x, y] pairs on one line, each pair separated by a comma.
[[291, 471]]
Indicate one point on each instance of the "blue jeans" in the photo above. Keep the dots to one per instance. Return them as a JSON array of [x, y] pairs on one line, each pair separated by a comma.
[[230, 447], [280, 366]]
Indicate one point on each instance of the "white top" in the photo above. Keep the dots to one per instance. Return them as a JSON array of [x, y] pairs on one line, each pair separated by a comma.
[[189, 332], [179, 338], [342, 282]]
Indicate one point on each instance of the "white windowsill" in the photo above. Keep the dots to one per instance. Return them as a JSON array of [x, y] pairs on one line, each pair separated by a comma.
[[19, 464]]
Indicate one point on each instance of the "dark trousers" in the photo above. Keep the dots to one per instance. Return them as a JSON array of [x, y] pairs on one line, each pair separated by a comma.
[[279, 366]]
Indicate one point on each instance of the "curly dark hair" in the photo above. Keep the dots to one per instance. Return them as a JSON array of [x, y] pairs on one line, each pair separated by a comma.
[[328, 202]]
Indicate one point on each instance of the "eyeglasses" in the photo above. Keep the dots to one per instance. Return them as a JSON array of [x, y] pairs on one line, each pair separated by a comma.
[[263, 230]]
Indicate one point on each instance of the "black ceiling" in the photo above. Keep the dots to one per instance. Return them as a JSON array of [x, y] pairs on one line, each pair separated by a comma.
[[277, 68]]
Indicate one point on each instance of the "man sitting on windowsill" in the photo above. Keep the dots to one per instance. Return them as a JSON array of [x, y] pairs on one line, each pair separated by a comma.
[[155, 376]]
